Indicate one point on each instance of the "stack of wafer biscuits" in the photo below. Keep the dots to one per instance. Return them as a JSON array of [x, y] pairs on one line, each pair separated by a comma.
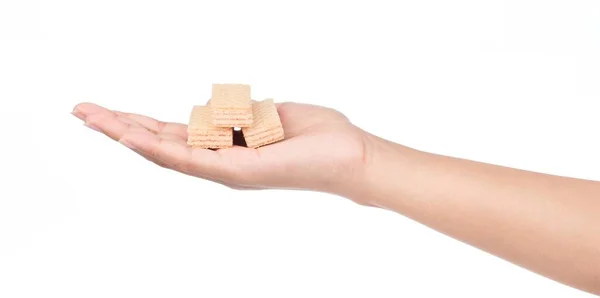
[[230, 106]]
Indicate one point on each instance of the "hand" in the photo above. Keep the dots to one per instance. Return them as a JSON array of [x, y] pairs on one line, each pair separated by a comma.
[[322, 150]]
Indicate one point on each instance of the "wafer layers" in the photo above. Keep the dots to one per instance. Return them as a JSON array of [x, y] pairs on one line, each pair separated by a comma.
[[231, 105], [202, 133], [266, 127]]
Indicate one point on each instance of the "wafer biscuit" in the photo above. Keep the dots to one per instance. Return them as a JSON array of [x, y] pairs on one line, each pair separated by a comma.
[[231, 105], [203, 134], [266, 127]]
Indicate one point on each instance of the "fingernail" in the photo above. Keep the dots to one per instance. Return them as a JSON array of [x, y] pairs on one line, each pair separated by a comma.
[[93, 127], [78, 114], [127, 144]]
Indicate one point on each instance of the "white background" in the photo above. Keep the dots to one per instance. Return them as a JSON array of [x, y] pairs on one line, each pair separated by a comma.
[[507, 82]]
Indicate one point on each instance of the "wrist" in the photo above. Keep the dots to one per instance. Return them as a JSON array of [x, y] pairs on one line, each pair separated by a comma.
[[387, 171]]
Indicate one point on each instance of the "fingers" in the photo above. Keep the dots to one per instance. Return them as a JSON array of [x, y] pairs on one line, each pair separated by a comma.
[[170, 152], [85, 109], [105, 121], [155, 125], [178, 156], [96, 116], [110, 125]]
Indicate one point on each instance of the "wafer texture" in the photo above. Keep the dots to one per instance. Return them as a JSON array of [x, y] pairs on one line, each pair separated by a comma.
[[266, 127], [231, 105], [203, 134]]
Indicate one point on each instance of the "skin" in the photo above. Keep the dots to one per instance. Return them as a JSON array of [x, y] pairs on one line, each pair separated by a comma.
[[544, 223]]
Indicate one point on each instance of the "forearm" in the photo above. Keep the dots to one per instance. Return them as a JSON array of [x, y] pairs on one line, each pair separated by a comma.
[[548, 224]]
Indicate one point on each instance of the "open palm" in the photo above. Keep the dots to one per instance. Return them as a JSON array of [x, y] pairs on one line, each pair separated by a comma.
[[321, 151]]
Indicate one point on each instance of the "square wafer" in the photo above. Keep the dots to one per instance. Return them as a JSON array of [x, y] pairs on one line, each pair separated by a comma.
[[203, 134], [231, 105], [266, 128]]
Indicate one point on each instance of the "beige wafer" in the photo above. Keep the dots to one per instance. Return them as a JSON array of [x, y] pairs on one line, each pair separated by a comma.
[[203, 134], [231, 105], [266, 128]]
